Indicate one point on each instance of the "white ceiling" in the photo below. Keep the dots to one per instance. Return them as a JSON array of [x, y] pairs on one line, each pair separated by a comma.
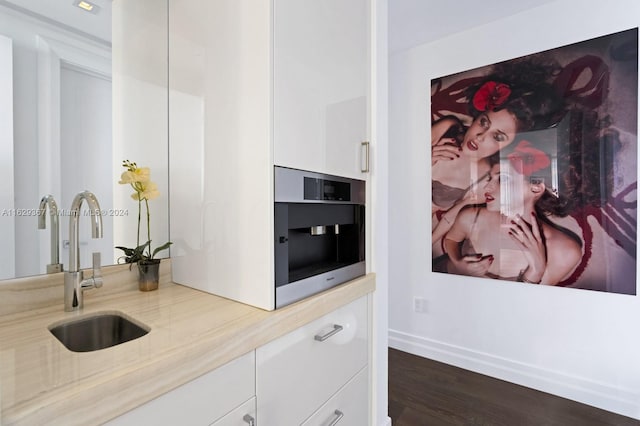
[[415, 22], [411, 22], [65, 14]]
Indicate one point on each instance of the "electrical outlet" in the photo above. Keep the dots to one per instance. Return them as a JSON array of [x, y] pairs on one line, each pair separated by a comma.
[[420, 305]]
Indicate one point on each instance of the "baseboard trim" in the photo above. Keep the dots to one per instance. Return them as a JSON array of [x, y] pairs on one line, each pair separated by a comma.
[[601, 395], [386, 422]]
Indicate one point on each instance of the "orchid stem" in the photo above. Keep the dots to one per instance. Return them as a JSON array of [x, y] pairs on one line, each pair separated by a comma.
[[146, 202], [139, 217]]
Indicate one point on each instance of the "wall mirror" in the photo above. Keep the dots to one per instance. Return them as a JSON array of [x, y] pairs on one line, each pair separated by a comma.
[[84, 87]]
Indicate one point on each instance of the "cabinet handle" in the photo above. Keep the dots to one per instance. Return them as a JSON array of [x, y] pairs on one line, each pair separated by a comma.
[[339, 415], [366, 147], [336, 328], [249, 420]]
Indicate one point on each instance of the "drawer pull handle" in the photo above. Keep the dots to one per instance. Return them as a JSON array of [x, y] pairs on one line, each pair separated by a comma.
[[336, 328], [365, 168], [249, 420], [339, 415]]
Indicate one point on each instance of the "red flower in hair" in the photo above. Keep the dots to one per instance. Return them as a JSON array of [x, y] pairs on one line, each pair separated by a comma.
[[527, 160], [490, 95]]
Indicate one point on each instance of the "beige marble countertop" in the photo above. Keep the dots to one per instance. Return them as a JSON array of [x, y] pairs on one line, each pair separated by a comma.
[[41, 382]]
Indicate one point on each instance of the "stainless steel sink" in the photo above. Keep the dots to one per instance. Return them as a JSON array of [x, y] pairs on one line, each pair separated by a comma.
[[98, 331]]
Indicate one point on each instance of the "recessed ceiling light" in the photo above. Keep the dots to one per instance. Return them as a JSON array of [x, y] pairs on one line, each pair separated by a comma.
[[88, 6]]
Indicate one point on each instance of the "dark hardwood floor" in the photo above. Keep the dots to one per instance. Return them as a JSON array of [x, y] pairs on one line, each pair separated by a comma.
[[423, 392]]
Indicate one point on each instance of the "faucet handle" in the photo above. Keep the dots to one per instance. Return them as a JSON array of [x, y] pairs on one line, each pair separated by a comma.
[[97, 271]]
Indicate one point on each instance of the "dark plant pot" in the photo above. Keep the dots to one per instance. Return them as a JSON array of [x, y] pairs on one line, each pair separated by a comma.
[[148, 274]]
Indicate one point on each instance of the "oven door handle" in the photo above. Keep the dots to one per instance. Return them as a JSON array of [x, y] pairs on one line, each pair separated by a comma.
[[336, 329]]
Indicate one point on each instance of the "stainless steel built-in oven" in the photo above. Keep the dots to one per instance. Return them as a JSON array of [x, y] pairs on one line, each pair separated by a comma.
[[319, 232]]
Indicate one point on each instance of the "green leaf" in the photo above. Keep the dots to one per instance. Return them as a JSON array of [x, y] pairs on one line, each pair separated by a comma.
[[133, 255], [127, 251], [162, 247]]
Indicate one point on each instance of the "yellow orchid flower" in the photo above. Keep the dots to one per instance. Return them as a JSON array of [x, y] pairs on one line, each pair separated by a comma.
[[145, 191], [141, 174], [139, 178]]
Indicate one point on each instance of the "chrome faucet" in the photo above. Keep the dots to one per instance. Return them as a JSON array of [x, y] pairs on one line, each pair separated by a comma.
[[48, 200], [74, 284]]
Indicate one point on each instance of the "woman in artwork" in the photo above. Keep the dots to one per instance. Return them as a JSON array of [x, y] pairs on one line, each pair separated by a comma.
[[507, 239], [513, 236], [516, 97]]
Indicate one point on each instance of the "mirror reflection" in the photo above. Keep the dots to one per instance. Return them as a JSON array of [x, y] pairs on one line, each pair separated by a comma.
[[83, 90]]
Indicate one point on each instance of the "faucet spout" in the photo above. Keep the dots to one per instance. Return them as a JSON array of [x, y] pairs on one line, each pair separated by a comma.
[[74, 285], [74, 226], [49, 201]]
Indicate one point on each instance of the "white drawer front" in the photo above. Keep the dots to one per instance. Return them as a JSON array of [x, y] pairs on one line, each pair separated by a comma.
[[297, 373], [202, 400], [348, 407], [241, 416]]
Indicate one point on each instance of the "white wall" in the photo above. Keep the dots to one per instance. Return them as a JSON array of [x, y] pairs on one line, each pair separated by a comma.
[[35, 131], [26, 195], [7, 230], [85, 135], [579, 344], [140, 115], [380, 211]]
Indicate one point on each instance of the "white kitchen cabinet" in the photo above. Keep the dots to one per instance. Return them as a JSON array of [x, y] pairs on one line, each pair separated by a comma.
[[239, 103], [321, 85], [202, 401], [220, 129], [241, 416], [349, 406], [309, 376], [299, 372]]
